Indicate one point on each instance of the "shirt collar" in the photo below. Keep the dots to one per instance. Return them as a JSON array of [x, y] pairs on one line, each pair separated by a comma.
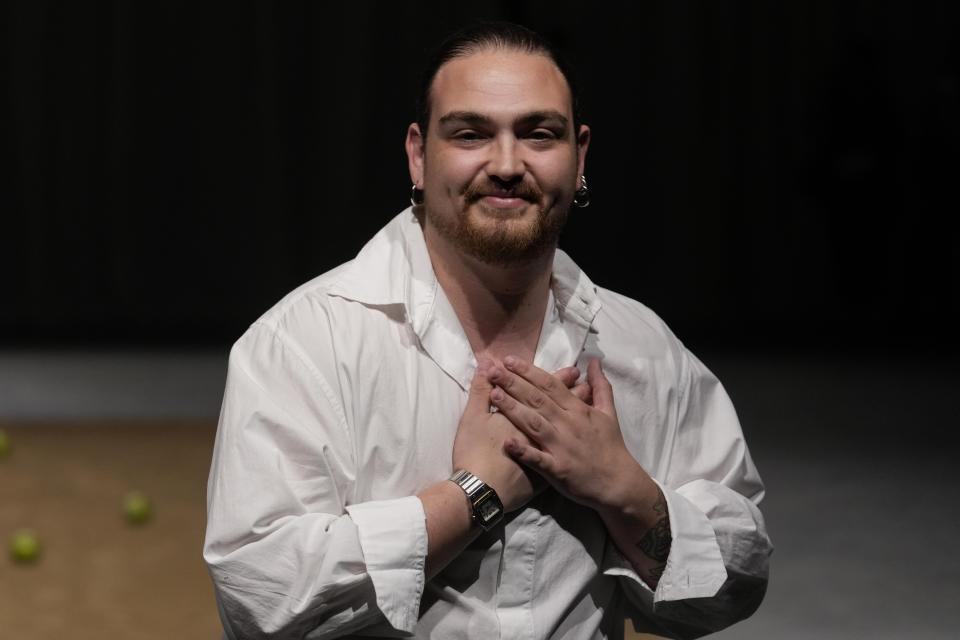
[[394, 268]]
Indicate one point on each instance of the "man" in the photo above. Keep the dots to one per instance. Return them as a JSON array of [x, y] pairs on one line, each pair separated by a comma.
[[393, 457]]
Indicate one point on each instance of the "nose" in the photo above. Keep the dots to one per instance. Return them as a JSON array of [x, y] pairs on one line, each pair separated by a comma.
[[505, 163]]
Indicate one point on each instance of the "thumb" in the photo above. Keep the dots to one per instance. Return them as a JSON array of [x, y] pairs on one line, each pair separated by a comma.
[[602, 390], [480, 388]]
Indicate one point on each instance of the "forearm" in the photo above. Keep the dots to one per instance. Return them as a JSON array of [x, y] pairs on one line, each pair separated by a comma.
[[639, 525], [450, 526]]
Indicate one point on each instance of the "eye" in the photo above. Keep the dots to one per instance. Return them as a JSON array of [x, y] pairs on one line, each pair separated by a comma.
[[542, 134], [468, 135]]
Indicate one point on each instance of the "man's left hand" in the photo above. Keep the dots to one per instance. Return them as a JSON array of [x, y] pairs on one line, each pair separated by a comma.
[[576, 447]]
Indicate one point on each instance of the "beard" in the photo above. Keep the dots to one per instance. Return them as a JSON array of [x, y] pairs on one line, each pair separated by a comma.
[[500, 239]]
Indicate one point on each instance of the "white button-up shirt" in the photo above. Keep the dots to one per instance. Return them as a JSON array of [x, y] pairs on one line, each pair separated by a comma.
[[342, 403]]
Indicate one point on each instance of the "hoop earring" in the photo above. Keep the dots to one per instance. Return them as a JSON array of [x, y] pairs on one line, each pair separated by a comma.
[[416, 195], [582, 197]]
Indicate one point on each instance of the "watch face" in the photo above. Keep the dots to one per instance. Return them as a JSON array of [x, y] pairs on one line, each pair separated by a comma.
[[489, 509]]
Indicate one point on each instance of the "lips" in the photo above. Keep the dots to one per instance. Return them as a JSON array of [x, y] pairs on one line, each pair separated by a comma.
[[503, 201], [493, 195], [517, 194]]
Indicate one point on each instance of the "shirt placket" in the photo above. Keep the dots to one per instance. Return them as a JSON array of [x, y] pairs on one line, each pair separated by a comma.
[[515, 590], [560, 345]]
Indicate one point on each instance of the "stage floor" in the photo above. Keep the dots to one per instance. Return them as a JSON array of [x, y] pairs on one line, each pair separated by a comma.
[[858, 457], [98, 576]]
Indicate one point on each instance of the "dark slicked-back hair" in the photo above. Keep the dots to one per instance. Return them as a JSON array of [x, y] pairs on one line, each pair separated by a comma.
[[485, 36]]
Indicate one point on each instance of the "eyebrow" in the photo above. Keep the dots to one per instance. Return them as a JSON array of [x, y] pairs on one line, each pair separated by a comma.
[[474, 118]]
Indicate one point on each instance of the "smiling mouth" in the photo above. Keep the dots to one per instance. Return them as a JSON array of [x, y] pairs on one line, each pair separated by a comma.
[[503, 197], [499, 201]]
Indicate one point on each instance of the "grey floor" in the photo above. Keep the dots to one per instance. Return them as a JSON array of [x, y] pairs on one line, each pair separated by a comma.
[[857, 455], [85, 385], [859, 461]]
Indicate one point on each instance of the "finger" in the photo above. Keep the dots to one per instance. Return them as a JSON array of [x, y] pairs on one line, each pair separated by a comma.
[[527, 421], [540, 379], [602, 390], [479, 398], [526, 393], [584, 392], [530, 456], [568, 376]]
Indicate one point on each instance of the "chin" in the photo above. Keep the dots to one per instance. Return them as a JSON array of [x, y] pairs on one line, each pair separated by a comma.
[[511, 236], [499, 236]]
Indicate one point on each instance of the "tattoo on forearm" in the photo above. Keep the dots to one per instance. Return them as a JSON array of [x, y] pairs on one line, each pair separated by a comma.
[[657, 571], [655, 543]]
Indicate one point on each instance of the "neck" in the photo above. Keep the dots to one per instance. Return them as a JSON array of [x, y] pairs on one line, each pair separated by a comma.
[[500, 307]]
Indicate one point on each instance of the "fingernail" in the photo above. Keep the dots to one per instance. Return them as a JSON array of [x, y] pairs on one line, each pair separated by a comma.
[[497, 394], [510, 361]]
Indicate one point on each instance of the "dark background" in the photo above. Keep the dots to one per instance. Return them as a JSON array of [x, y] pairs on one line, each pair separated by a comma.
[[771, 176]]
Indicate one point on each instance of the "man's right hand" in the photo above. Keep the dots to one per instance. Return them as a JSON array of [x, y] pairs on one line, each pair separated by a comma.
[[478, 447]]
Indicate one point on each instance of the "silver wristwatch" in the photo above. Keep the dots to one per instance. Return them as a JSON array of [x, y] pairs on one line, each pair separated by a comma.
[[486, 505]]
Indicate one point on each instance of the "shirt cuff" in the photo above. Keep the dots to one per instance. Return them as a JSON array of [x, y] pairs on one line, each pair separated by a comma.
[[694, 567], [393, 537]]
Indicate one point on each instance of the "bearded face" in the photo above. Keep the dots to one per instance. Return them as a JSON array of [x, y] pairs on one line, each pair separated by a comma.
[[499, 166]]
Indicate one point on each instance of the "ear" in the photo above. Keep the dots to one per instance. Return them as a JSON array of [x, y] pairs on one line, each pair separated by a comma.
[[583, 141], [415, 148]]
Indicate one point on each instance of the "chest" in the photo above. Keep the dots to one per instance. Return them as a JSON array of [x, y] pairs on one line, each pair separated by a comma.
[[403, 410]]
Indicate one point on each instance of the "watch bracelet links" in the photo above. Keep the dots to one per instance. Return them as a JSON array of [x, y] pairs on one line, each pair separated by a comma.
[[470, 483]]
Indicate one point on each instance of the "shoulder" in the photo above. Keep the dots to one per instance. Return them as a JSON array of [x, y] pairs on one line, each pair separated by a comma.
[[640, 330], [340, 296], [306, 306], [288, 335], [637, 342]]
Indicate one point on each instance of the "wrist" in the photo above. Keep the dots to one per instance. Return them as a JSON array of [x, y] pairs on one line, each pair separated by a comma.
[[486, 509], [632, 493], [449, 523]]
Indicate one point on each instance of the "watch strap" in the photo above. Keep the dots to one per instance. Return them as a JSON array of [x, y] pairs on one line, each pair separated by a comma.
[[471, 484], [485, 505]]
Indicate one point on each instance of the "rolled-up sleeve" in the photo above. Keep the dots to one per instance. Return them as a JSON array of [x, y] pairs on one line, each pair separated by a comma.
[[717, 569], [394, 541], [287, 552]]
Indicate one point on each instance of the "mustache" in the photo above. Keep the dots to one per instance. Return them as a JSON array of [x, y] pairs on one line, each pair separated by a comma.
[[523, 190]]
